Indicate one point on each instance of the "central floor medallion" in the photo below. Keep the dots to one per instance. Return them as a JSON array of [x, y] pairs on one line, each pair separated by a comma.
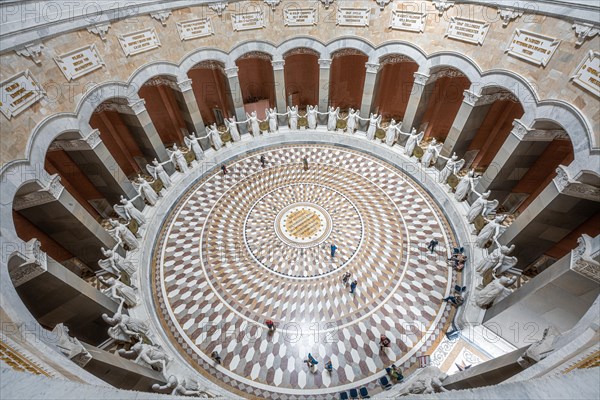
[[303, 225]]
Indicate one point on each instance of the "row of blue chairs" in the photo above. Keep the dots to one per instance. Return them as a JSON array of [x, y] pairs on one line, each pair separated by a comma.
[[354, 393]]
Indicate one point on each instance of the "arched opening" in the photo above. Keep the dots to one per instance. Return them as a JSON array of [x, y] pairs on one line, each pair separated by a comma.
[[211, 89], [301, 77], [442, 98], [394, 86], [347, 78], [164, 104], [257, 82]]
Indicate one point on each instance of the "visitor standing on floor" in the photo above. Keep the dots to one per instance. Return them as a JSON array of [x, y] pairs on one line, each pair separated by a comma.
[[224, 169], [432, 245], [333, 250], [384, 341], [270, 324], [263, 161], [353, 286], [305, 163], [329, 366], [215, 356], [346, 278]]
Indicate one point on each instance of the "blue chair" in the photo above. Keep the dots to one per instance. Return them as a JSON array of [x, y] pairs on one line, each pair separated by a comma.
[[353, 394], [343, 396], [385, 382], [364, 393]]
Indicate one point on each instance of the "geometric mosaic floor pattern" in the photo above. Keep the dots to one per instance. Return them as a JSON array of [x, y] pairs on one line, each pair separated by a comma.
[[254, 244]]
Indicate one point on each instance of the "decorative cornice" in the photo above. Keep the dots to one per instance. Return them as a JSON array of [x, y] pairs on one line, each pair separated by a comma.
[[278, 65], [301, 50], [162, 81], [256, 54], [162, 16], [210, 64], [51, 192], [325, 62], [231, 72], [219, 7], [100, 30], [584, 31], [184, 85], [394, 59], [347, 52], [446, 73], [421, 79], [442, 5], [35, 263], [382, 3], [526, 134], [372, 68], [113, 106], [32, 51], [570, 187], [583, 261], [498, 96], [508, 14]]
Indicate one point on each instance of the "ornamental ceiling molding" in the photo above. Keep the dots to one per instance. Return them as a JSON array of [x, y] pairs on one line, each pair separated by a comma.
[[301, 51], [35, 263], [394, 59], [108, 106], [583, 261], [161, 81], [210, 64], [446, 73], [256, 55]]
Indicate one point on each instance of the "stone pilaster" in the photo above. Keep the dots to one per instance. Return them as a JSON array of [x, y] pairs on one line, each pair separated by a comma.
[[191, 111], [280, 90], [412, 107]]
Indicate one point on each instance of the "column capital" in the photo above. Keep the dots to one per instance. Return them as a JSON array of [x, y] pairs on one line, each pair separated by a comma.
[[584, 31], [584, 258], [184, 85], [526, 134], [138, 106], [569, 186], [231, 72], [372, 68], [35, 263], [420, 78], [325, 62], [471, 98], [278, 65], [51, 192]]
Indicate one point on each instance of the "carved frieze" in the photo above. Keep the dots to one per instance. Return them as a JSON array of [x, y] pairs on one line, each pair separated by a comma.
[[51, 192], [35, 263], [583, 261]]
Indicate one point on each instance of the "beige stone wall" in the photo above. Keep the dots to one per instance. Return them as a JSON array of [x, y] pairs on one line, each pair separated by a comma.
[[550, 82]]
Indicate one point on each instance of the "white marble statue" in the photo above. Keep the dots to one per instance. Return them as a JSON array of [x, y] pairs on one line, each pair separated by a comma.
[[374, 121], [254, 123], [128, 211], [540, 349], [119, 291], [498, 261], [214, 136], [414, 139], [453, 166], [431, 153], [71, 347], [352, 123], [426, 381], [271, 114], [231, 125], [177, 386], [391, 132], [124, 328], [482, 206], [116, 264], [178, 158], [466, 184], [151, 355], [491, 231], [332, 117], [122, 233], [311, 116], [146, 190], [193, 143], [157, 171], [292, 113], [495, 291]]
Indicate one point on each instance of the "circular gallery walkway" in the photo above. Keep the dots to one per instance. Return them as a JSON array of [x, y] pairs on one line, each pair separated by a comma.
[[254, 244]]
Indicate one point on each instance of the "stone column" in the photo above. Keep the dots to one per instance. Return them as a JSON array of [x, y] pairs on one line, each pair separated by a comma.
[[280, 90], [94, 159], [236, 96], [63, 297], [469, 103], [151, 139], [414, 101], [559, 296], [324, 75], [53, 210], [191, 111], [368, 90], [558, 210]]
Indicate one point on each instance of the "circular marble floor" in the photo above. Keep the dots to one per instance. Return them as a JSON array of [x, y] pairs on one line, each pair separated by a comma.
[[253, 245]]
